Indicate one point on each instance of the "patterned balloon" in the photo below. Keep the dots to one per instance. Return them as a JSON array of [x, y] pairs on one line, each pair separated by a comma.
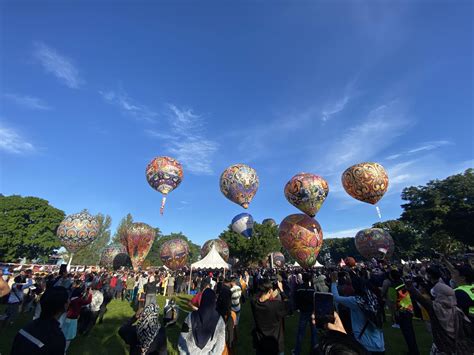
[[77, 231], [302, 237], [269, 222], [109, 253], [243, 224], [374, 243], [307, 192], [164, 174], [366, 182], [221, 247], [138, 239], [278, 259], [239, 183], [174, 253]]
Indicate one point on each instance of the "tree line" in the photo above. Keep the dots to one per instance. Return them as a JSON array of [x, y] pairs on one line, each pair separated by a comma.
[[438, 215]]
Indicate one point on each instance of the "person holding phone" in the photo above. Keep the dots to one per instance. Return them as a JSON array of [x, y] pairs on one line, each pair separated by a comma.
[[304, 303], [367, 333]]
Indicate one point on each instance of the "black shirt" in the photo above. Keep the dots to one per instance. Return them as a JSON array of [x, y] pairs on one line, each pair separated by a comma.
[[268, 334], [41, 336], [304, 298]]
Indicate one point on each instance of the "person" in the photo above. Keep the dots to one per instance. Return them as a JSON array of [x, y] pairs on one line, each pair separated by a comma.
[[79, 298], [450, 336], [170, 286], [320, 283], [236, 296], [196, 300], [43, 335], [15, 300], [107, 294], [304, 303], [4, 288], [203, 331], [368, 334], [224, 308], [96, 303], [129, 285], [334, 340], [150, 291], [142, 332], [269, 309], [404, 312]]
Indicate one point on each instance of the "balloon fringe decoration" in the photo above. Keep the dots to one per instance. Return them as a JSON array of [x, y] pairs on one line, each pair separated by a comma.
[[163, 202], [378, 212]]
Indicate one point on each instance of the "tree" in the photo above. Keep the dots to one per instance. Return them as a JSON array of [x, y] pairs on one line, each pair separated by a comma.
[[442, 211], [90, 255], [154, 255], [122, 228], [28, 228], [255, 249]]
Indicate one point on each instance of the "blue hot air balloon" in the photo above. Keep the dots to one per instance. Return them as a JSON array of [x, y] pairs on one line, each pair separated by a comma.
[[243, 224]]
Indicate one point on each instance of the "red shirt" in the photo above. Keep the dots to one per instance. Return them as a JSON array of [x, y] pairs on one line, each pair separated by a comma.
[[113, 282], [196, 300], [75, 306]]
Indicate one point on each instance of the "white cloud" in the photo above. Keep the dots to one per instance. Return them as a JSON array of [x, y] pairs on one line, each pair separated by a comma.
[[12, 142], [128, 106], [58, 65], [422, 147], [28, 102], [366, 139], [343, 233], [335, 108], [186, 140]]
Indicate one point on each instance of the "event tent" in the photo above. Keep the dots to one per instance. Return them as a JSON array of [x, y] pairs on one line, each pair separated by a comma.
[[316, 264], [211, 261]]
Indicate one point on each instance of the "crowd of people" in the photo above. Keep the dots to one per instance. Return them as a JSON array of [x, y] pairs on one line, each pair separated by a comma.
[[65, 305]]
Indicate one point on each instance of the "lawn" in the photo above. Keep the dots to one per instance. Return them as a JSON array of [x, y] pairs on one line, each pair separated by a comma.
[[105, 340]]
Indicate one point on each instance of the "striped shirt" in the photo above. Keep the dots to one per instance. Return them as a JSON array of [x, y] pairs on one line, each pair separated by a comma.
[[236, 294]]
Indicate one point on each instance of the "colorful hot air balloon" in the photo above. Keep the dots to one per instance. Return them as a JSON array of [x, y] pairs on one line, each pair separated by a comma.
[[374, 243], [243, 224], [239, 183], [221, 247], [307, 192], [366, 182], [164, 174], [278, 259], [174, 253], [302, 237], [77, 231], [109, 253], [269, 222], [139, 238]]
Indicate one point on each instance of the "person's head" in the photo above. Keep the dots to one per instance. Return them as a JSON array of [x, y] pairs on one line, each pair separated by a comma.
[[433, 273], [306, 278], [394, 275], [208, 299], [265, 289], [54, 302]]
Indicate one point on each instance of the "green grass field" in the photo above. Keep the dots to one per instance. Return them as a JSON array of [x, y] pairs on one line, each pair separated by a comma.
[[104, 338]]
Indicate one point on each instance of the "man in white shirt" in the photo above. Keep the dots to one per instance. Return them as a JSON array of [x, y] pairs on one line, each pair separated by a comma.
[[236, 294], [15, 300]]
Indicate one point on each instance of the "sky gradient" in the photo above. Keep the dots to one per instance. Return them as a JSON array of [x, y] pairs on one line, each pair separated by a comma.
[[92, 91]]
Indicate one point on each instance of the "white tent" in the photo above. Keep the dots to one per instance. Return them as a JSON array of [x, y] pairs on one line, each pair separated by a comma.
[[296, 264], [211, 261], [317, 264]]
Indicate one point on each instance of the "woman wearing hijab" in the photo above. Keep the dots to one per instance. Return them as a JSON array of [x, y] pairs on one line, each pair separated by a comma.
[[203, 331], [447, 320], [146, 336]]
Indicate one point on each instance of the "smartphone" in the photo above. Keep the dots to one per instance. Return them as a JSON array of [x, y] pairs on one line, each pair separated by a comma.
[[323, 308]]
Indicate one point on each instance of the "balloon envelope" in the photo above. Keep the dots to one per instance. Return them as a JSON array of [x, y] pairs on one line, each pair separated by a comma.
[[239, 183], [269, 222], [374, 243], [174, 253], [221, 247], [307, 192], [77, 231], [139, 238], [109, 253], [366, 182], [278, 259], [302, 237], [243, 224], [164, 174]]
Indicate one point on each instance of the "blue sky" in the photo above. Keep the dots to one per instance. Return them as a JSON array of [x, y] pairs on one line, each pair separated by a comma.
[[92, 91]]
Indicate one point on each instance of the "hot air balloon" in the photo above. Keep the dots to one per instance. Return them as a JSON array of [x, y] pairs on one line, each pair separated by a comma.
[[307, 192], [278, 259], [77, 231], [366, 182], [109, 253], [239, 183], [243, 224], [302, 237], [164, 174], [139, 238], [269, 222], [174, 253], [221, 247], [374, 243]]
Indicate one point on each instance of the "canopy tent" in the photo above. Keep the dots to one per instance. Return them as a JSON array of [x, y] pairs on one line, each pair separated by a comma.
[[212, 260], [316, 264], [296, 264]]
